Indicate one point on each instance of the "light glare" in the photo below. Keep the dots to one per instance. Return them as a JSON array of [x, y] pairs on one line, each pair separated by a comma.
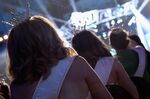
[[5, 37], [1, 39]]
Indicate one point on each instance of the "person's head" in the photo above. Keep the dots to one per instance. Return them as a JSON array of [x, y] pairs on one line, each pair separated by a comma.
[[136, 40], [89, 46], [118, 38], [34, 47]]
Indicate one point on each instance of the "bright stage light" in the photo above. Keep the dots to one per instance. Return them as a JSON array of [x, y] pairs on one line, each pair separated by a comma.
[[77, 19], [5, 37], [133, 20], [1, 39], [113, 22], [119, 21]]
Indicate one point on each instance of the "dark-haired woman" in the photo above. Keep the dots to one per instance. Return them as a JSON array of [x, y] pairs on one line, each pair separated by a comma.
[[41, 67], [109, 69]]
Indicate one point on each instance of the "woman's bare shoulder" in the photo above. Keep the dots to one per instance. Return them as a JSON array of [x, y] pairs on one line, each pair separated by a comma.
[[80, 60], [80, 64]]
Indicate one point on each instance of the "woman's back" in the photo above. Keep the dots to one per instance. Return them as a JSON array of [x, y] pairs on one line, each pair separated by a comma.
[[108, 70], [76, 84], [104, 68], [80, 80], [44, 89], [112, 72]]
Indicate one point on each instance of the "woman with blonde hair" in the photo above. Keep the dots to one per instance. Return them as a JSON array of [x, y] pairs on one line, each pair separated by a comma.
[[41, 67]]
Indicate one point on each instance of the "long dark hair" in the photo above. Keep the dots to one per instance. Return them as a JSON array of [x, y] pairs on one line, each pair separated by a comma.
[[89, 46], [34, 47]]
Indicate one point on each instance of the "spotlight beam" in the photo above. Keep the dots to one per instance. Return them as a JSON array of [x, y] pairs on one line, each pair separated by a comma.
[[143, 5], [72, 3], [139, 10], [53, 19], [27, 8], [142, 24], [41, 5]]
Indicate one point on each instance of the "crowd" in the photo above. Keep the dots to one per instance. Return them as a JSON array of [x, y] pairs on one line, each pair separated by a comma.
[[40, 66]]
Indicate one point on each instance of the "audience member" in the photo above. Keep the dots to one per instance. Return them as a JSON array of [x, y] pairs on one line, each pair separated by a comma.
[[139, 48], [133, 59], [4, 90], [128, 57], [136, 41], [109, 69], [143, 67], [41, 66]]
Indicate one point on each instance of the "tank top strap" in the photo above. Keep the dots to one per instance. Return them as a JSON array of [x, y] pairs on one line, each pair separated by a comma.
[[103, 68], [50, 88], [142, 61]]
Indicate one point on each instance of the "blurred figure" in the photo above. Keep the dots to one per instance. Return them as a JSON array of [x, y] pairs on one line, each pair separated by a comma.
[[41, 66], [109, 69], [1, 97], [143, 67], [129, 56], [135, 41], [4, 90], [142, 57], [136, 45]]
